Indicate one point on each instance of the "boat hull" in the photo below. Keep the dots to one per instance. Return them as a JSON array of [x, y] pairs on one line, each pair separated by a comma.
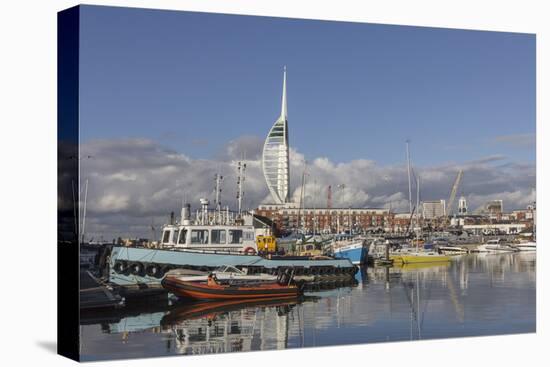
[[452, 250], [130, 266], [415, 259], [357, 253], [529, 246], [203, 291]]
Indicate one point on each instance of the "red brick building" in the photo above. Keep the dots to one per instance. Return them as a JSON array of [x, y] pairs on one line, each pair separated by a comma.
[[289, 215]]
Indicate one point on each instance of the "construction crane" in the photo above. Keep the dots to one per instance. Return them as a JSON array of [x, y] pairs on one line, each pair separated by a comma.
[[449, 206]]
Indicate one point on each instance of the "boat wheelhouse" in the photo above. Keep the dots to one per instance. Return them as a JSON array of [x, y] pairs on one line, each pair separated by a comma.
[[228, 238]]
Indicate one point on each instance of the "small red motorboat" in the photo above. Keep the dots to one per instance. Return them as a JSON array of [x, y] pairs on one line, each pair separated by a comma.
[[211, 289]]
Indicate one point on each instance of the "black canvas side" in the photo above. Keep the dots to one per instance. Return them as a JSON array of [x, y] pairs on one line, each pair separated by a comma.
[[68, 340]]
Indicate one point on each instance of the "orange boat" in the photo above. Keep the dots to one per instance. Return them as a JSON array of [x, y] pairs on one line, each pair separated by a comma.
[[213, 290]]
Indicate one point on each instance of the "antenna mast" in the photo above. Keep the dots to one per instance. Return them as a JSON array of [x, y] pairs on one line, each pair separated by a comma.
[[219, 179], [241, 170]]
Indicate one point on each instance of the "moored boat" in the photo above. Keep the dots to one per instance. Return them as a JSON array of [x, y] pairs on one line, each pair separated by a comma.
[[419, 257], [495, 246], [356, 250], [527, 246], [209, 241], [452, 250], [212, 289], [225, 273]]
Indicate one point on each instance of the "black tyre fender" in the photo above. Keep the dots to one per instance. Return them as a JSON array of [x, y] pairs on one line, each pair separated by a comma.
[[153, 270], [120, 266], [137, 268]]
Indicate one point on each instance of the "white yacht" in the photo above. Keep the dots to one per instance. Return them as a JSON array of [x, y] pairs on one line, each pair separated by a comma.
[[495, 246], [527, 246]]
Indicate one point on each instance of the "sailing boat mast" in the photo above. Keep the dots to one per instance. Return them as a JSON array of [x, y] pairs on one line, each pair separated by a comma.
[[302, 198], [409, 176], [417, 207], [84, 213]]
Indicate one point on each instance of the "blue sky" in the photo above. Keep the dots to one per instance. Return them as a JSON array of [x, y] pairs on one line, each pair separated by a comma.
[[194, 81]]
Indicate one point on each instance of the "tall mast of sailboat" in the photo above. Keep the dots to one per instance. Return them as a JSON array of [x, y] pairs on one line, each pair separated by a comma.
[[409, 176], [417, 208], [84, 213]]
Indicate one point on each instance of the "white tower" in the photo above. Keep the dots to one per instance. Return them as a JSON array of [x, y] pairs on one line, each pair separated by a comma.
[[275, 157], [462, 206]]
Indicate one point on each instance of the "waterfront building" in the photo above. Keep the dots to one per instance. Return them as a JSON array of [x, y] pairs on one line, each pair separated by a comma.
[[433, 209], [275, 157], [495, 228], [327, 220]]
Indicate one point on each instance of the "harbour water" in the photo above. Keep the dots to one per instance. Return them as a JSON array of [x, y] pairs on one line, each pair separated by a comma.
[[473, 295]]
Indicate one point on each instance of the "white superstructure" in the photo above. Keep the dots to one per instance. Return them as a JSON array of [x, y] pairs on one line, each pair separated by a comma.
[[210, 231]]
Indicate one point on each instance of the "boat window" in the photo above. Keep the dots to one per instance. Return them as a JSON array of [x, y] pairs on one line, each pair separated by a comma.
[[235, 236], [166, 237], [218, 236], [249, 236], [175, 236], [183, 237], [199, 236]]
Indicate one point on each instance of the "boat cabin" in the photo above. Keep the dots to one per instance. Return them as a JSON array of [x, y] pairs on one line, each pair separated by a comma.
[[238, 238]]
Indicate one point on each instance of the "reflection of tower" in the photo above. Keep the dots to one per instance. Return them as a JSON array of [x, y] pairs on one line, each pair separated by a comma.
[[275, 157], [273, 329], [462, 206]]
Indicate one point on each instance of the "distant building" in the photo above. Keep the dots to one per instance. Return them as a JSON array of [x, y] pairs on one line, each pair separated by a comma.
[[494, 207], [495, 228], [329, 220], [462, 206], [433, 209]]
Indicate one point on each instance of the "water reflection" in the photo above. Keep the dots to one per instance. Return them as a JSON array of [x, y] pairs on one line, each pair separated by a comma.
[[473, 295]]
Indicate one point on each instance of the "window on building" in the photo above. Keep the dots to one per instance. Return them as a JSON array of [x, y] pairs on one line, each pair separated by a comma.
[[199, 236], [235, 236], [219, 237]]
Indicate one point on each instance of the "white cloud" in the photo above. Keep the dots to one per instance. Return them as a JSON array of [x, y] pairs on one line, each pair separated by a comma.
[[133, 182], [516, 140]]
